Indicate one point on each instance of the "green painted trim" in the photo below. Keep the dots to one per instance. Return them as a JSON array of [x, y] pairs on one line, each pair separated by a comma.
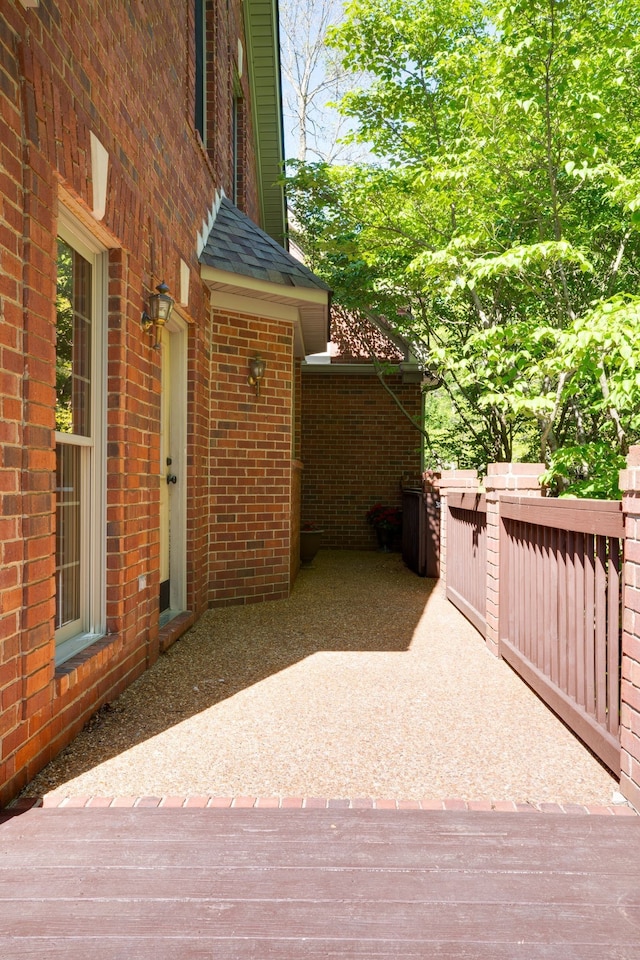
[[263, 64]]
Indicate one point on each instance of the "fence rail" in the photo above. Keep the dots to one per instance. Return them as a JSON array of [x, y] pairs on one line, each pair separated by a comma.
[[560, 610], [467, 556]]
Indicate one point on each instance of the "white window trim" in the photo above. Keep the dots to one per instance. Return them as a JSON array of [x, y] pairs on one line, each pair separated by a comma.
[[69, 640]]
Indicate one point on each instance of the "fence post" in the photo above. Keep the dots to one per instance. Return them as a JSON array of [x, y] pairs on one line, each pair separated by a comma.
[[451, 481], [431, 519], [630, 679], [512, 478]]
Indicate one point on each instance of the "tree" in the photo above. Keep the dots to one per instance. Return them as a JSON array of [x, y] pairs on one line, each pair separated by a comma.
[[314, 77], [64, 339], [503, 211]]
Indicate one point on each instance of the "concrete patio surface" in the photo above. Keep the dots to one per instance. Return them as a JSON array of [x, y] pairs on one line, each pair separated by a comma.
[[365, 683]]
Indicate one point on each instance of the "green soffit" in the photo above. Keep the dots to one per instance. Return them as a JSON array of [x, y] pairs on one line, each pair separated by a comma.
[[263, 63]]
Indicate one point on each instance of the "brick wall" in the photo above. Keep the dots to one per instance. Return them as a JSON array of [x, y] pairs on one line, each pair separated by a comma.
[[630, 680], [12, 544], [27, 277], [226, 26], [118, 71], [356, 448], [296, 500], [297, 470], [251, 447]]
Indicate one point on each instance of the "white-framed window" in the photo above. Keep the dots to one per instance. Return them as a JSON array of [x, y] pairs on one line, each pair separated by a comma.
[[201, 68], [80, 439]]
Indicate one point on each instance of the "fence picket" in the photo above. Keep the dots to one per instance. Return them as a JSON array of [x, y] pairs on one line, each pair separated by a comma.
[[601, 631], [513, 560], [466, 541], [563, 584], [553, 604], [614, 641], [580, 617], [589, 623]]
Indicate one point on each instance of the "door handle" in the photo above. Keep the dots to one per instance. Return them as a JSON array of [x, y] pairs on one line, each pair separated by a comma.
[[171, 478]]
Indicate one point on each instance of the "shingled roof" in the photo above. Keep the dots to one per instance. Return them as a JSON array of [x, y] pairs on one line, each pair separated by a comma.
[[236, 245]]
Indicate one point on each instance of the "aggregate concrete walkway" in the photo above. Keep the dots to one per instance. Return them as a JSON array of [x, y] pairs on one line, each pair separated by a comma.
[[366, 683]]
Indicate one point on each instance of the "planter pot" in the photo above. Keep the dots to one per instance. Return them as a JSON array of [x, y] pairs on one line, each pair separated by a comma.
[[310, 543], [386, 539]]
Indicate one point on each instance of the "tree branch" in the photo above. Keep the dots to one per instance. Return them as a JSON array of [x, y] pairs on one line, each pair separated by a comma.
[[612, 411]]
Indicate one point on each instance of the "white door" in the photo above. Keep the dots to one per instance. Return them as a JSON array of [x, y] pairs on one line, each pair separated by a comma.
[[173, 409]]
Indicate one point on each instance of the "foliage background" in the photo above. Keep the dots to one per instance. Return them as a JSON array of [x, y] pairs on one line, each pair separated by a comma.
[[497, 227]]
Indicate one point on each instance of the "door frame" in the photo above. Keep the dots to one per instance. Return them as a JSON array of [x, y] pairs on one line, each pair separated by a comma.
[[174, 338]]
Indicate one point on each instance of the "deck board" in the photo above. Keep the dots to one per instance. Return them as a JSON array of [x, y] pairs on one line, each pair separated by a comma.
[[149, 884]]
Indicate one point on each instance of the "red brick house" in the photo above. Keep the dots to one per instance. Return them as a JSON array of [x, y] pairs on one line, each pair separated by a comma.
[[143, 477], [358, 446]]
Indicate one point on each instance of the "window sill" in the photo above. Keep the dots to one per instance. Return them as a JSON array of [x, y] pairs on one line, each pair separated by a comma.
[[90, 658], [75, 647]]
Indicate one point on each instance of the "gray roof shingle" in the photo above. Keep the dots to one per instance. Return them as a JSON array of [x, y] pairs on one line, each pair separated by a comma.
[[236, 245]]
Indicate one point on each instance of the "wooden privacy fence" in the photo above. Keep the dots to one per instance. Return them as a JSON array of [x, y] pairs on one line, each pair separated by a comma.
[[466, 523], [562, 597], [549, 575], [560, 610]]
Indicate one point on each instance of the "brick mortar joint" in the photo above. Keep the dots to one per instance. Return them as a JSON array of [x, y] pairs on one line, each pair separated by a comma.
[[496, 486]]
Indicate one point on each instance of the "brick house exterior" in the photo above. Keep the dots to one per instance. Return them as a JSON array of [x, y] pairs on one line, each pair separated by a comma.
[[357, 446], [139, 469]]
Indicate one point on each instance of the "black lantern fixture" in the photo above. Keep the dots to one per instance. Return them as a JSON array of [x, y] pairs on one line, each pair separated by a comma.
[[158, 310], [256, 372]]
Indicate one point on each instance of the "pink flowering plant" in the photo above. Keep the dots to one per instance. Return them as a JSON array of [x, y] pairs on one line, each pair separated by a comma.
[[382, 517]]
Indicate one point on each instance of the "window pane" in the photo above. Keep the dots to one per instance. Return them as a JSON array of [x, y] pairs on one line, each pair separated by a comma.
[[237, 144], [68, 460], [73, 344], [200, 66], [234, 145]]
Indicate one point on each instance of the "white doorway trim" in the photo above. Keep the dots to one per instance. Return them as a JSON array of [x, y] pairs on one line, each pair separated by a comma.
[[174, 338]]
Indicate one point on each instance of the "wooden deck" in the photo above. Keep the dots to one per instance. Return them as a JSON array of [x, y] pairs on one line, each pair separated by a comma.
[[163, 884]]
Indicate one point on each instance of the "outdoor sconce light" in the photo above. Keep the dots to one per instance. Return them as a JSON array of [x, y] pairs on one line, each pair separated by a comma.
[[256, 373], [159, 310]]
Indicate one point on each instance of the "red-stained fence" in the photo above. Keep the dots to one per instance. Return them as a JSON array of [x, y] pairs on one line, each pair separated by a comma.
[[466, 525], [560, 610]]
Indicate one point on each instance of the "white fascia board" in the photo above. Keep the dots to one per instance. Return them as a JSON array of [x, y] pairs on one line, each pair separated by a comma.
[[342, 369], [236, 303], [296, 295]]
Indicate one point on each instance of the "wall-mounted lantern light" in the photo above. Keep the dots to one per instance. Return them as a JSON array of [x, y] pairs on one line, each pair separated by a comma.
[[158, 310], [256, 373]]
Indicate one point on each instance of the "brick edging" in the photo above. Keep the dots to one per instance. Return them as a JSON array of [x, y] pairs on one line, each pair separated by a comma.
[[320, 803]]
